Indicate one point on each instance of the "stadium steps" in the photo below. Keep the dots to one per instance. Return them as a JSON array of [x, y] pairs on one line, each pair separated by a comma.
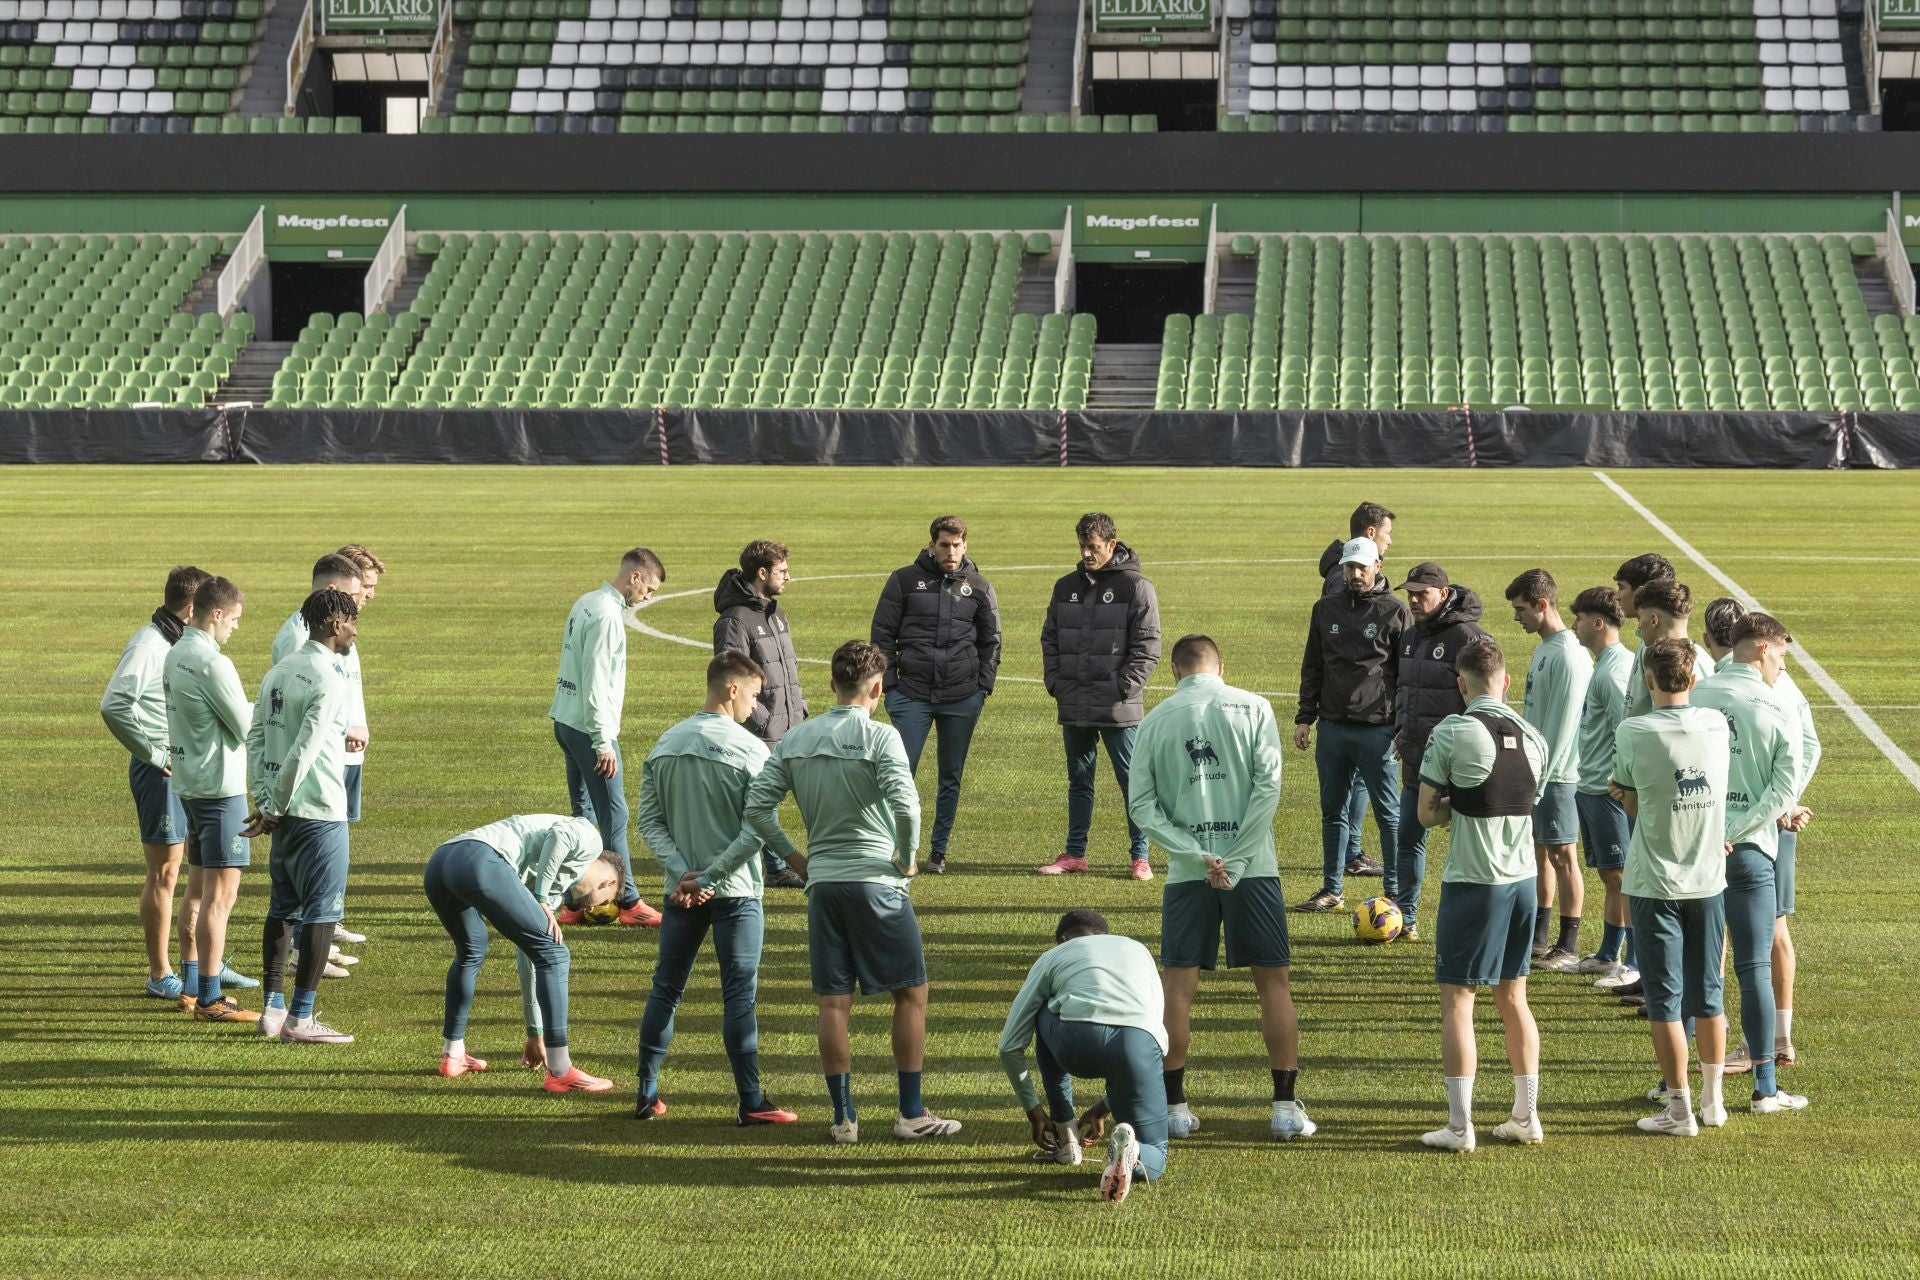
[[456, 71], [1034, 297], [1123, 375], [1875, 290], [204, 298], [1237, 70], [1050, 40], [251, 376], [409, 287], [265, 91], [1233, 287]]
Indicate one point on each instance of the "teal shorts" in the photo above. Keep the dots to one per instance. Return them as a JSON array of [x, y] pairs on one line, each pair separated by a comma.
[[1193, 914], [1678, 943], [213, 833], [307, 871], [1484, 933], [1604, 832], [858, 931], [1556, 819], [161, 818]]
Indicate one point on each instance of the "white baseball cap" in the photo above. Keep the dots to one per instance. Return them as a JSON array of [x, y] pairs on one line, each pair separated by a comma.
[[1360, 551]]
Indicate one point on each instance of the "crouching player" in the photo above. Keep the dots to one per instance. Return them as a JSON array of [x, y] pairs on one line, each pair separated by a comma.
[[693, 789], [1091, 1007], [1481, 776], [511, 874]]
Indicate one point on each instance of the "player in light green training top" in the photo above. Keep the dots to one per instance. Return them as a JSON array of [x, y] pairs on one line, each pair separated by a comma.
[[1205, 787], [512, 874], [1628, 579], [693, 791], [1557, 680], [1663, 609], [1091, 1007], [208, 718], [589, 696], [849, 774], [134, 708], [1670, 773], [1722, 616], [296, 759], [1481, 777], [1604, 830], [1762, 787]]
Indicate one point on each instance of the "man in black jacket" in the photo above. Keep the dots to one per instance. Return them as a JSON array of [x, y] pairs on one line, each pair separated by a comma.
[[1445, 618], [1347, 682], [751, 622], [1100, 642], [1369, 520], [939, 625]]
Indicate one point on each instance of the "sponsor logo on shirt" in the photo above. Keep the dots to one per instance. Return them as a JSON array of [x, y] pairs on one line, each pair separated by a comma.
[[1693, 791], [568, 685], [1334, 630], [1107, 598], [1201, 751], [1373, 629], [276, 703]]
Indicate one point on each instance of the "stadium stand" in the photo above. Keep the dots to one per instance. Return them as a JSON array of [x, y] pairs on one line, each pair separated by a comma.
[[108, 322], [534, 320], [1663, 322], [1548, 66]]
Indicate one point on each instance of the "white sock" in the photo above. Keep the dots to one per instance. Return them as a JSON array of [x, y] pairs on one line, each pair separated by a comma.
[[300, 1024], [1680, 1102], [1783, 1027], [559, 1061], [1710, 1079], [1526, 1097], [454, 1049], [1460, 1103]]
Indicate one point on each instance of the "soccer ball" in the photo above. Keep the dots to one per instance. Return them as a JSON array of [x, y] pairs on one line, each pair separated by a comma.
[[608, 912], [1377, 920]]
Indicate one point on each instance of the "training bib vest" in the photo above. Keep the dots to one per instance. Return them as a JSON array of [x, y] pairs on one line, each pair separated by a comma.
[[1508, 790]]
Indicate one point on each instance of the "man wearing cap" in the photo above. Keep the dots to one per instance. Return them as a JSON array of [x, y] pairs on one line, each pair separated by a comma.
[[1446, 618], [1347, 683]]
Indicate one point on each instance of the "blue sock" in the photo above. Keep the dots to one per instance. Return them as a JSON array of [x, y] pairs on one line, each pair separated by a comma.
[[276, 1000], [209, 988], [1626, 943], [840, 1089], [910, 1105], [190, 975], [1764, 1084], [303, 998], [1610, 942]]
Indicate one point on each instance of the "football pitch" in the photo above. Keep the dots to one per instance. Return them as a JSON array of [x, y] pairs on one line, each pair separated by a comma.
[[135, 1142]]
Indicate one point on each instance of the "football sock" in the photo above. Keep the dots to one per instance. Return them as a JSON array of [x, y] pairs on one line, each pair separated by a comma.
[[1764, 1083], [1631, 956], [454, 1049], [840, 1089], [276, 1000], [1542, 922], [1610, 941], [1680, 1102], [1460, 1103], [1782, 1028], [302, 1007], [1176, 1082], [210, 988], [559, 1060], [1526, 1097], [910, 1104], [1711, 1075], [1570, 933], [190, 975], [1284, 1079]]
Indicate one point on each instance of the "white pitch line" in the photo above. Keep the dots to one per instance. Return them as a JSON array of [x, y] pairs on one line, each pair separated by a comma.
[[1853, 710]]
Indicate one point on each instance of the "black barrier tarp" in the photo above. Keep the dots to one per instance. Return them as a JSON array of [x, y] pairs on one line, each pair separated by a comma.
[[117, 435], [1447, 438]]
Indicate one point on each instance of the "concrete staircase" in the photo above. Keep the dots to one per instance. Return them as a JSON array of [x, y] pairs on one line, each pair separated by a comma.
[[1050, 39], [251, 377], [1125, 375], [1034, 297], [265, 93], [1875, 289], [204, 298], [1233, 286], [456, 67]]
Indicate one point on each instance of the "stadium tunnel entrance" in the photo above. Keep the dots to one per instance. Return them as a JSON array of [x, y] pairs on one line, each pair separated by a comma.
[[1177, 106], [1130, 301], [296, 290]]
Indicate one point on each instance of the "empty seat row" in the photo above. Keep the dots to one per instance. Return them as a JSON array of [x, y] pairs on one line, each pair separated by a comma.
[[684, 32]]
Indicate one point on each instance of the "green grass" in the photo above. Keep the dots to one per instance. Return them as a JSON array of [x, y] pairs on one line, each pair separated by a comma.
[[136, 1143]]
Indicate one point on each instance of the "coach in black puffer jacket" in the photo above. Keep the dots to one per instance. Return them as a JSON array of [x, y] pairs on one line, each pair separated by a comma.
[[1426, 693], [940, 631], [1101, 642], [753, 624]]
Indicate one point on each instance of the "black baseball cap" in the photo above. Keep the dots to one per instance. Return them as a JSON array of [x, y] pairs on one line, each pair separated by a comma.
[[1425, 574]]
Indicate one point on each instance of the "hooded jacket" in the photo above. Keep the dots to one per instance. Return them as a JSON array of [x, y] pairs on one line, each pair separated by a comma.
[[1351, 667], [1427, 693], [1331, 579], [1101, 642], [755, 626], [940, 631]]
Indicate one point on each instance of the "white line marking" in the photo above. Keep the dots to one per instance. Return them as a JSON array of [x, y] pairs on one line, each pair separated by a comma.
[[1853, 710]]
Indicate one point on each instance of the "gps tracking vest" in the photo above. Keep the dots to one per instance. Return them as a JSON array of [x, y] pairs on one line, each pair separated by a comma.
[[1507, 791]]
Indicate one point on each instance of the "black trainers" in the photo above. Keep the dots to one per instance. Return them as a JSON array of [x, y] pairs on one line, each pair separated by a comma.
[[1632, 990], [1322, 901], [785, 878], [1365, 866]]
